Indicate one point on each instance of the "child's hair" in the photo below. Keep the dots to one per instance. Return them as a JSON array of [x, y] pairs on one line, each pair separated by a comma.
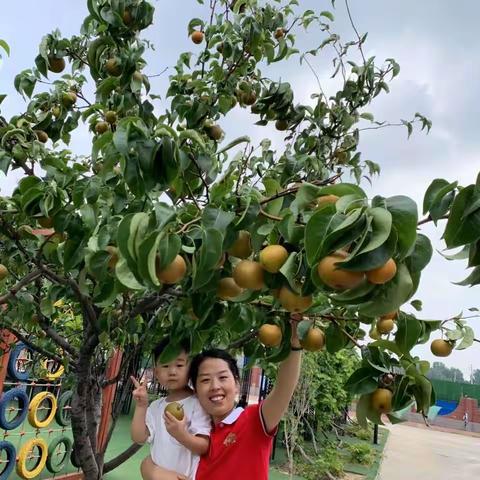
[[212, 353], [160, 347]]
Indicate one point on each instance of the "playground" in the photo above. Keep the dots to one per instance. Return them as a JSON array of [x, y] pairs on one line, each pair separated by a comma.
[[415, 451]]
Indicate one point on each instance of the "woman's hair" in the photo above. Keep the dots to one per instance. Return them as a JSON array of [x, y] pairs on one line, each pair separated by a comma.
[[212, 353]]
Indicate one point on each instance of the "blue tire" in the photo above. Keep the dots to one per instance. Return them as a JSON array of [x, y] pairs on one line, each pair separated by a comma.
[[22, 398], [12, 367], [11, 458]]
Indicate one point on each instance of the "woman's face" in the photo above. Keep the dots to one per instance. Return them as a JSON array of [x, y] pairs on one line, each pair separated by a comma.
[[216, 388]]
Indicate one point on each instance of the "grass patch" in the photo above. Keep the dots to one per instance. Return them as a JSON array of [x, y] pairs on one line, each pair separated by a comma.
[[353, 452]]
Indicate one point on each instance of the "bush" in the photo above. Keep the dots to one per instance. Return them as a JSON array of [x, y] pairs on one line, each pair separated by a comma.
[[326, 465], [355, 430], [361, 453]]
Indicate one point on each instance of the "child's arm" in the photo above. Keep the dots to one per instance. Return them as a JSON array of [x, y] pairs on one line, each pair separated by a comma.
[[138, 429], [277, 401], [197, 444]]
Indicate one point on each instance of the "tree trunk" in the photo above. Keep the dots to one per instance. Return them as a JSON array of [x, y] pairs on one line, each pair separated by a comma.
[[83, 401]]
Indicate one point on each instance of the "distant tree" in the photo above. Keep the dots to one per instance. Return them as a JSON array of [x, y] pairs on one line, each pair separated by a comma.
[[475, 377], [440, 371]]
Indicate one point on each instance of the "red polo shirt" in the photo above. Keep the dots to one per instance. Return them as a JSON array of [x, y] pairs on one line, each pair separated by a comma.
[[239, 448]]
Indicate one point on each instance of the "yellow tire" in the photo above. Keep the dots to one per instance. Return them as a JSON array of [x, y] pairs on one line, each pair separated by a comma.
[[55, 374], [34, 406], [26, 452]]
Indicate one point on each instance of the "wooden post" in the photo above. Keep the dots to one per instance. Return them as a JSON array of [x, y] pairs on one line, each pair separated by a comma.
[[6, 338], [113, 369]]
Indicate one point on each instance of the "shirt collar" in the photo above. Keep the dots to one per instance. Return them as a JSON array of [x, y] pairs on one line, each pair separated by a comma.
[[232, 417]]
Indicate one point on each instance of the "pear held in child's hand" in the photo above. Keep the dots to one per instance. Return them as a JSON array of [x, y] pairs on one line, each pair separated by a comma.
[[175, 409]]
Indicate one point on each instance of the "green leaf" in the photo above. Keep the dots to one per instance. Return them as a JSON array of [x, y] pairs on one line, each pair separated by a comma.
[[416, 304], [362, 381], [217, 218], [273, 187], [408, 333], [123, 236], [459, 230], [390, 296], [381, 226], [387, 345], [171, 351], [125, 275], [363, 405], [290, 270], [146, 261], [422, 391], [344, 230], [234, 143], [472, 279], [289, 230], [4, 45], [303, 327], [468, 338], [436, 186], [421, 255], [168, 250], [372, 259], [328, 15], [341, 189], [405, 217], [335, 339], [306, 194], [315, 231], [209, 255], [73, 253]]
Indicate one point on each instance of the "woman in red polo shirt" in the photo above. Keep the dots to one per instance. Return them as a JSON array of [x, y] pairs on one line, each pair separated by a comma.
[[241, 439]]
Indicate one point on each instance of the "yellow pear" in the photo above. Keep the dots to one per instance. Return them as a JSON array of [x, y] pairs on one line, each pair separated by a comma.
[[273, 257], [248, 274]]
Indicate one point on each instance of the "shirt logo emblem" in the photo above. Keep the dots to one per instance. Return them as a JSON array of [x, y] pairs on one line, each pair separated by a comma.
[[230, 439]]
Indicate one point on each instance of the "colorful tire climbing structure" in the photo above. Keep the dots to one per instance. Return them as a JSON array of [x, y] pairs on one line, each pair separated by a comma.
[[35, 431]]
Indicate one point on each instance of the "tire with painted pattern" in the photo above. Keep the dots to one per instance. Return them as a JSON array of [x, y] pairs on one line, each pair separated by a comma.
[[13, 360], [14, 394], [63, 405], [57, 372], [11, 457], [25, 452], [58, 467], [37, 400]]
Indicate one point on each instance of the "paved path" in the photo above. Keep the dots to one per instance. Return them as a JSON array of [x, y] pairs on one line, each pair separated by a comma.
[[419, 453]]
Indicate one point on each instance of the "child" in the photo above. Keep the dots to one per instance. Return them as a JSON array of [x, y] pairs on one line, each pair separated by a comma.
[[176, 445]]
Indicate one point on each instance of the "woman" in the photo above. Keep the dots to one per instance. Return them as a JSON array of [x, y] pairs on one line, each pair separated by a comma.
[[241, 439]]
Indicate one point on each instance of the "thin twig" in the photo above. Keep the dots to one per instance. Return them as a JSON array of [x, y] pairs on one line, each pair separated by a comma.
[[271, 217], [337, 323], [430, 219], [356, 31]]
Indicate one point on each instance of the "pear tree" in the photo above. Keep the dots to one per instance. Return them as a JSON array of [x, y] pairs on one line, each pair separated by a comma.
[[171, 226]]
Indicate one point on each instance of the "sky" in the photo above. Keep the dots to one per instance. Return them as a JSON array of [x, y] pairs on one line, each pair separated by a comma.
[[435, 45]]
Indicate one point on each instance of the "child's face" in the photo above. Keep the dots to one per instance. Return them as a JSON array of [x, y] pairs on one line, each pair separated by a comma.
[[173, 375]]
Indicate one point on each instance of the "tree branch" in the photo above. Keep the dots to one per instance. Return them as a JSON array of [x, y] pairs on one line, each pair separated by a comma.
[[242, 340], [122, 457], [36, 348], [32, 276], [288, 191]]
